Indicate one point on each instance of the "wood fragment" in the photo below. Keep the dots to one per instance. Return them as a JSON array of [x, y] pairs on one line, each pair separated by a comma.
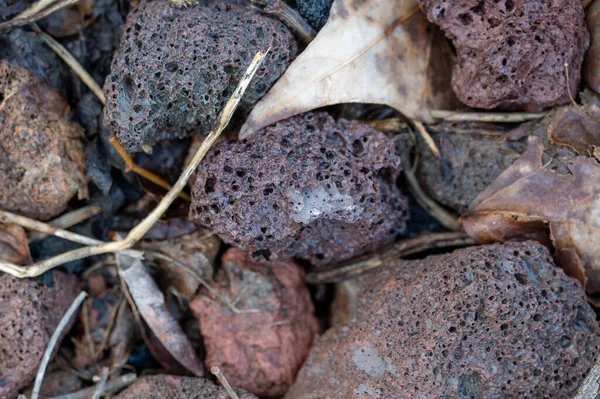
[[286, 14], [39, 378], [506, 117], [409, 246], [138, 232], [428, 139], [217, 373]]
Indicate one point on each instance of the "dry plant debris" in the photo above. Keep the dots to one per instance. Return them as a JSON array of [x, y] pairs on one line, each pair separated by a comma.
[[325, 193], [512, 53], [407, 69], [486, 322], [13, 244], [261, 347]]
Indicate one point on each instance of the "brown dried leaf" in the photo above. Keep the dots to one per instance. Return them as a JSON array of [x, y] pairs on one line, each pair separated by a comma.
[[151, 305], [577, 127], [372, 51], [13, 244], [526, 200]]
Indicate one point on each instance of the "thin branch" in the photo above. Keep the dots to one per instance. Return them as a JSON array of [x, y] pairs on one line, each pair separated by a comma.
[[428, 139], [217, 373], [68, 220], [53, 341], [31, 224], [138, 232], [400, 249], [99, 389], [286, 14], [68, 58], [508, 117], [37, 11], [111, 386]]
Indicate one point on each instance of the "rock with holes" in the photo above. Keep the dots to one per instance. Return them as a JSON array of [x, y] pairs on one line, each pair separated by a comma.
[[307, 186], [177, 67], [41, 156], [512, 53], [30, 310], [163, 386], [494, 321], [262, 347], [315, 12]]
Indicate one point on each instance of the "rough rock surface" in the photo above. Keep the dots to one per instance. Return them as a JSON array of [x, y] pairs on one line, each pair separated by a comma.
[[29, 313], [494, 321], [175, 387], [259, 351], [41, 156], [177, 67], [511, 53], [306, 187], [315, 12], [591, 65]]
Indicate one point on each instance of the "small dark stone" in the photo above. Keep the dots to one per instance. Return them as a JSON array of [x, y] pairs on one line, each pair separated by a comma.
[[176, 68], [511, 53], [315, 12], [311, 188]]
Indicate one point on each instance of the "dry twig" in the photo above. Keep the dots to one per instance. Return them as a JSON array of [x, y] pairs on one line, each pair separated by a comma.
[[428, 139], [400, 249], [138, 232], [53, 341], [99, 389], [37, 11], [506, 117], [286, 14], [68, 220], [217, 373]]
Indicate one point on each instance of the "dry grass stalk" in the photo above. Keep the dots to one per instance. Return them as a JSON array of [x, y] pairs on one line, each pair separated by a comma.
[[217, 373], [500, 117]]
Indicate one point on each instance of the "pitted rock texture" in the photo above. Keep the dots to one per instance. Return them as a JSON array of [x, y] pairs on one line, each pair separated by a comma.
[[511, 53], [163, 386], [263, 350], [177, 67], [307, 186], [315, 12], [29, 313], [41, 156], [494, 321]]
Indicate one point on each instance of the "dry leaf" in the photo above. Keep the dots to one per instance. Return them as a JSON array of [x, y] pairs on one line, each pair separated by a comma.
[[13, 244], [371, 51], [151, 305], [526, 200]]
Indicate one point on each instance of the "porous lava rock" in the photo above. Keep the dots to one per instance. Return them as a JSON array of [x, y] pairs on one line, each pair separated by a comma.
[[494, 321], [512, 53], [41, 156], [177, 67], [164, 386], [315, 12], [261, 347], [307, 186], [30, 310]]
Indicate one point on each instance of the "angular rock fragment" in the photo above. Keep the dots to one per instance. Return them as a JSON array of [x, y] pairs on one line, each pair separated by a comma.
[[176, 68], [175, 387], [512, 53], [494, 321], [30, 310], [307, 186], [261, 348], [41, 157]]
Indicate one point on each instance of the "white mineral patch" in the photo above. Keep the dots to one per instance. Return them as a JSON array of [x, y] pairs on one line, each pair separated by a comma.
[[315, 202]]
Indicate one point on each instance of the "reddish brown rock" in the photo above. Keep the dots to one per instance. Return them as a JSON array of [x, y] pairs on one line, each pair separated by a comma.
[[511, 53], [307, 186], [174, 387], [591, 66], [30, 310], [176, 68], [494, 321], [261, 348], [41, 157]]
